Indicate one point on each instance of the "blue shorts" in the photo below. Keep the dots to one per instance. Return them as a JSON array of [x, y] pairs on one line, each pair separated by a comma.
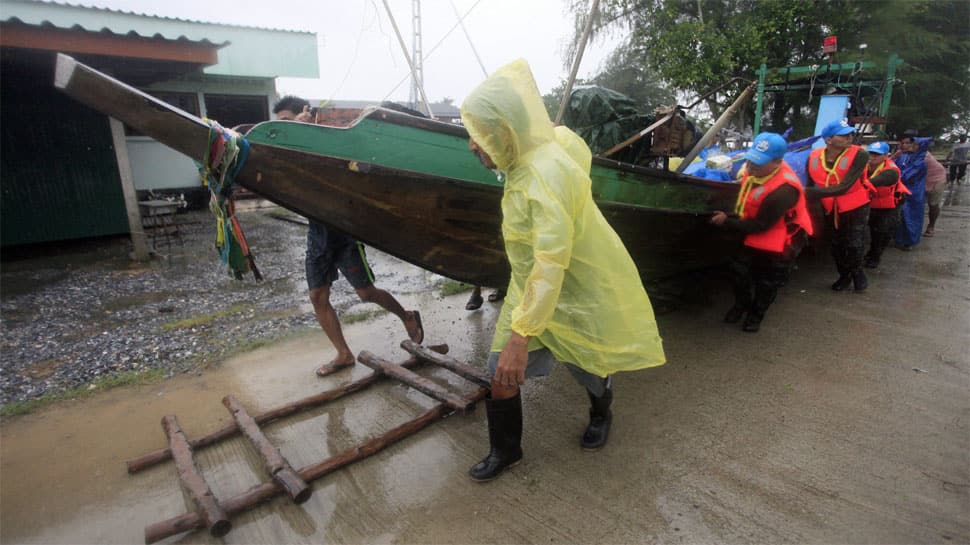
[[540, 364], [328, 251]]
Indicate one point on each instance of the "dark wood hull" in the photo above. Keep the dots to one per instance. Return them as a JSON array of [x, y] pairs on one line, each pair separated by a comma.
[[445, 224]]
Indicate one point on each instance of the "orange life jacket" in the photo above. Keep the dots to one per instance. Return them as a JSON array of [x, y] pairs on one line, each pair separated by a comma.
[[885, 196], [779, 236], [856, 196]]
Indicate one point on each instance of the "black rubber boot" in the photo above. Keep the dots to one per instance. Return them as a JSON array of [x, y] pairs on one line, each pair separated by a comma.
[[504, 437], [842, 283], [735, 314], [752, 322], [860, 281], [600, 417]]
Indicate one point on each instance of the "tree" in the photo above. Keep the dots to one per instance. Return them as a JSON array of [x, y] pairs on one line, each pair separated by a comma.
[[635, 80], [696, 45], [933, 39]]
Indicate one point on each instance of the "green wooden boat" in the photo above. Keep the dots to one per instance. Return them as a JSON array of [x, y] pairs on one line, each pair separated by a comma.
[[409, 186]]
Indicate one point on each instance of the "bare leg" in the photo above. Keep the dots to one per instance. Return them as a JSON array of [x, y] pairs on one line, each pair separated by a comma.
[[373, 294], [934, 214], [330, 323], [475, 299], [497, 295]]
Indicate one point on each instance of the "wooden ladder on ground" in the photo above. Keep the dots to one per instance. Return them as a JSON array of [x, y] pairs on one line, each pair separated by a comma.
[[214, 514]]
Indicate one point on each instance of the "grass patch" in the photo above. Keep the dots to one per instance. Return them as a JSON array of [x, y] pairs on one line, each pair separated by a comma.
[[365, 316], [206, 319], [452, 287], [83, 391]]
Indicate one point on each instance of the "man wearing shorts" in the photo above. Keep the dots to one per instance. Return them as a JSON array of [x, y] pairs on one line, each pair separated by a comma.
[[935, 184], [329, 251]]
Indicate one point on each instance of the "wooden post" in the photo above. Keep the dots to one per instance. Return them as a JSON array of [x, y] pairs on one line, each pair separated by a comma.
[[212, 515], [138, 242], [639, 135], [413, 380], [721, 121], [579, 58], [461, 369], [276, 465], [267, 491], [153, 458]]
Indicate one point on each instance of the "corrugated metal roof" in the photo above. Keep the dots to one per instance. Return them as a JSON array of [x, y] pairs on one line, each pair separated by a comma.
[[6, 3], [248, 51]]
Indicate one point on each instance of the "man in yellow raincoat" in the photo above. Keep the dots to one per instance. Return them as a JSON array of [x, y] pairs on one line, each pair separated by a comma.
[[575, 294]]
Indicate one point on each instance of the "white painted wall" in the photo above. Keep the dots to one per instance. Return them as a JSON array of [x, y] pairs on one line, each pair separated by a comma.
[[156, 166]]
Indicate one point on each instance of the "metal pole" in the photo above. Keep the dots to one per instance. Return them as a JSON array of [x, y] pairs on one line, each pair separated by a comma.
[[576, 61], [407, 57], [761, 97], [416, 52], [894, 60], [461, 23], [721, 121]]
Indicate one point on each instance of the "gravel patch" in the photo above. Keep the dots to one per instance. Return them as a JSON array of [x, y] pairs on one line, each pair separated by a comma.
[[73, 318]]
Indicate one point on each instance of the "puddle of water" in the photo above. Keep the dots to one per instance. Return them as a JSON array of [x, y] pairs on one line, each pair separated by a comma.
[[64, 478]]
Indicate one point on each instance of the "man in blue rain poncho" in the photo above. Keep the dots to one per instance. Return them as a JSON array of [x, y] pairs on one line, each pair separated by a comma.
[[911, 160], [575, 294]]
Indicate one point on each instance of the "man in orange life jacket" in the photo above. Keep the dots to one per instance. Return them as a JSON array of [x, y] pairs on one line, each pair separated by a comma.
[[771, 212], [837, 176], [884, 216]]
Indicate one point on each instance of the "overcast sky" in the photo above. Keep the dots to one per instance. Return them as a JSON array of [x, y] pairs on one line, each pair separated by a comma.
[[360, 58]]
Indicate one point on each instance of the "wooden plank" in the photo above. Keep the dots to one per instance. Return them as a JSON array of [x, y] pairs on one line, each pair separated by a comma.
[[461, 369], [212, 514], [138, 240], [276, 465], [268, 490], [169, 125], [156, 457], [413, 380]]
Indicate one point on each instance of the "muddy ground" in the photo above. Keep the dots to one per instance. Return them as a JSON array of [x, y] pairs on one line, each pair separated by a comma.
[[845, 420]]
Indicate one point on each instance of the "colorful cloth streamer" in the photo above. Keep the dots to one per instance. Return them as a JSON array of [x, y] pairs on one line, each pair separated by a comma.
[[224, 158]]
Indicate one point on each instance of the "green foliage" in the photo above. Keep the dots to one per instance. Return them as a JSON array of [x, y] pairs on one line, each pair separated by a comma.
[[695, 45], [932, 38]]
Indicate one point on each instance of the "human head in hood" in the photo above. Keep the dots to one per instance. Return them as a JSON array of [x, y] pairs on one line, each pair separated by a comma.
[[505, 116]]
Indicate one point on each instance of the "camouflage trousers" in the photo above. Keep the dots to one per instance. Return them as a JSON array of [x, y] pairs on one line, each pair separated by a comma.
[[848, 235]]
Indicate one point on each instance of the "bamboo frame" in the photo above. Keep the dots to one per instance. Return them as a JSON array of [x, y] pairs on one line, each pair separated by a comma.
[[211, 513], [268, 490], [276, 465], [414, 380], [461, 369], [156, 457]]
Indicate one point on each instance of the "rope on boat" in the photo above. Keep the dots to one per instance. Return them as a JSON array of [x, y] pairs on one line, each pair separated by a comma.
[[224, 158]]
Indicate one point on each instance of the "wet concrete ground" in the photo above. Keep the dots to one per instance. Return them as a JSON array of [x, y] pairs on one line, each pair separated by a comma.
[[845, 420]]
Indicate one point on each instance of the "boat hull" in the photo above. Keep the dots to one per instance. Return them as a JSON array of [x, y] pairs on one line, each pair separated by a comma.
[[409, 186]]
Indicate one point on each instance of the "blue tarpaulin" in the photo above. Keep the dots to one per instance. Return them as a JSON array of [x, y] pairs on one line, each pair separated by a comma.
[[796, 158], [912, 167]]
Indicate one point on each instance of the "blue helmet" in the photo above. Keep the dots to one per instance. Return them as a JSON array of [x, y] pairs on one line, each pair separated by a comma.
[[765, 148], [879, 148], [837, 128]]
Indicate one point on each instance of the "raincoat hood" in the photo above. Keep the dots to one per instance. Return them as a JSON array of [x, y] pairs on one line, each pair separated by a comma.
[[505, 115], [574, 289]]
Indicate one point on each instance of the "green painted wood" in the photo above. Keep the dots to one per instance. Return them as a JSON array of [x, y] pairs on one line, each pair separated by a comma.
[[60, 177], [376, 141]]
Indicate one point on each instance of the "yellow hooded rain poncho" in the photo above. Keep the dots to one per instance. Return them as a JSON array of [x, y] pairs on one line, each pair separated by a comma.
[[574, 288]]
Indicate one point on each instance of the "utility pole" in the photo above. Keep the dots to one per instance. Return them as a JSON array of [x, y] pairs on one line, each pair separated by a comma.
[[417, 56]]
